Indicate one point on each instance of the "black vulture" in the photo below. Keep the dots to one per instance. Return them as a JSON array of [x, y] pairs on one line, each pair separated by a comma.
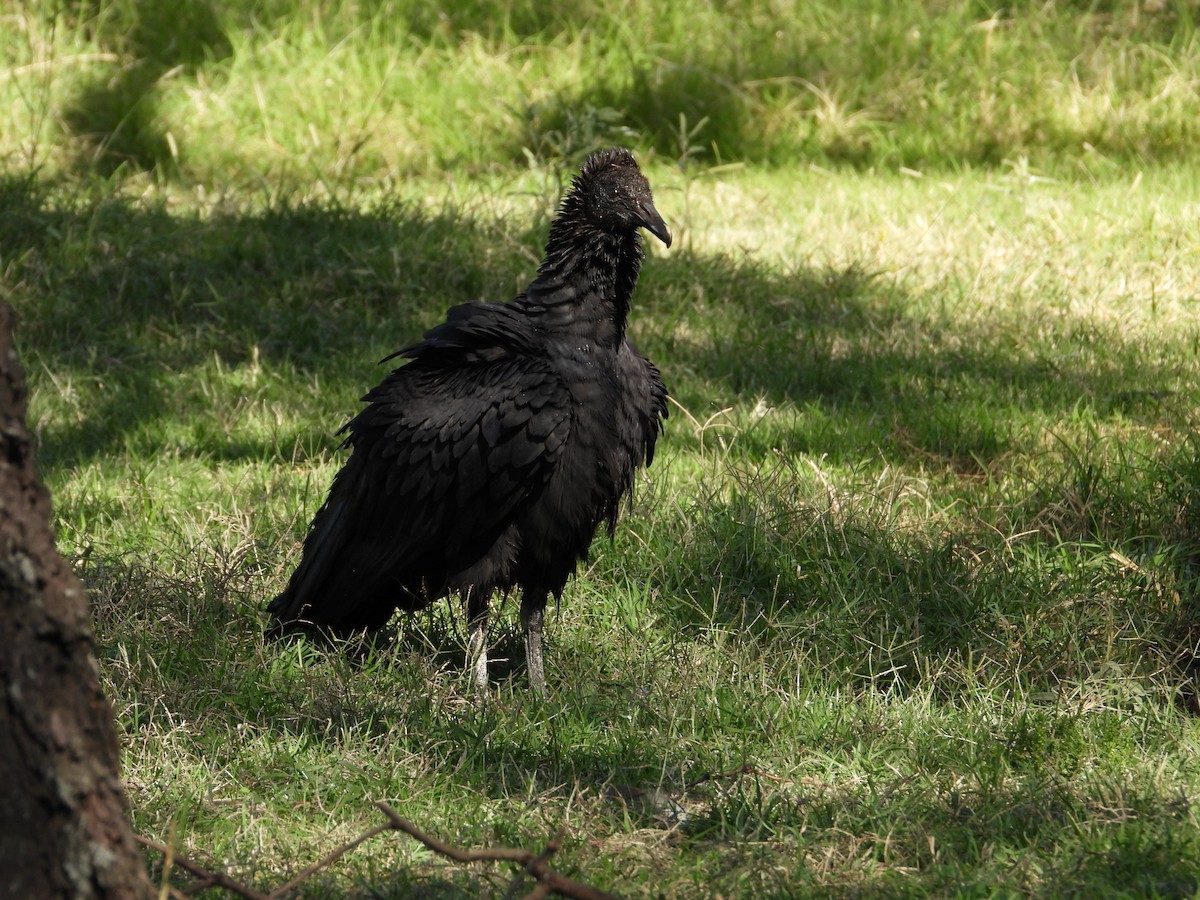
[[490, 458]]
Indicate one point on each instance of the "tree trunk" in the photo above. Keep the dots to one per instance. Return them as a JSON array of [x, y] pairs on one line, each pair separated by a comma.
[[64, 830]]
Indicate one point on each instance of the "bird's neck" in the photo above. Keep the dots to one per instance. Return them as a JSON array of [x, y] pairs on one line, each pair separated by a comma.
[[586, 280]]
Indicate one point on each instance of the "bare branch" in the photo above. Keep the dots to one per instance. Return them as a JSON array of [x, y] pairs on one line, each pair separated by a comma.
[[330, 859], [549, 881], [534, 864], [219, 879]]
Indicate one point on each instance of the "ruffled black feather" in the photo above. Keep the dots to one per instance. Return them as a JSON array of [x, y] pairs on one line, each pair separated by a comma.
[[511, 433]]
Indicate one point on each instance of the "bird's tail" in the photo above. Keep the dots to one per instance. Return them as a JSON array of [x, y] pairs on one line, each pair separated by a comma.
[[307, 604]]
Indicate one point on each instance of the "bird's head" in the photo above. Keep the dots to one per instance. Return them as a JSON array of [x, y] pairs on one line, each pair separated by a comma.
[[613, 194]]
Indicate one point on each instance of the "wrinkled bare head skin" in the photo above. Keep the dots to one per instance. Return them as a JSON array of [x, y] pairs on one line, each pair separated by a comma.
[[616, 196]]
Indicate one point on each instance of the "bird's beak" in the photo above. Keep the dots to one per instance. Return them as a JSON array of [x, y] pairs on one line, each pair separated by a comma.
[[654, 223]]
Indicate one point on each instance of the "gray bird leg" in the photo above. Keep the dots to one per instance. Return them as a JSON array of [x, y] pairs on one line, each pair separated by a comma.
[[477, 659], [533, 604]]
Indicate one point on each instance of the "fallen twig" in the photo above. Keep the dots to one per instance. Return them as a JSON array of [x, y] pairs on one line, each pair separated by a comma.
[[210, 878], [535, 864], [330, 859], [549, 881]]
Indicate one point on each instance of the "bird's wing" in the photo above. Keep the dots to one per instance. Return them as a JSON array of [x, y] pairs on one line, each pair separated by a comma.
[[471, 427], [456, 450], [649, 409], [448, 451]]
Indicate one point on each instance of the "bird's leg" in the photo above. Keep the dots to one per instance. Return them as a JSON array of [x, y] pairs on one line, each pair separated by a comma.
[[477, 622], [533, 604]]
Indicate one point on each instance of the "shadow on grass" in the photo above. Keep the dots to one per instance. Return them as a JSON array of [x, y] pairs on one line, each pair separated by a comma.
[[180, 640], [876, 605], [140, 307], [1019, 784], [868, 371], [137, 306], [114, 117], [1109, 840], [134, 307]]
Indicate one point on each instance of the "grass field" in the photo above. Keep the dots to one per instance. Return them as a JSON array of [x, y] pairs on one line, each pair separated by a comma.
[[908, 604]]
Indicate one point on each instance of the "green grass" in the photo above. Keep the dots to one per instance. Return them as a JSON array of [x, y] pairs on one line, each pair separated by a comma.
[[234, 94], [907, 605]]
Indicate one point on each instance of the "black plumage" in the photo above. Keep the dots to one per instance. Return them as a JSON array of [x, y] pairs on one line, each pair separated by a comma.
[[491, 457]]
